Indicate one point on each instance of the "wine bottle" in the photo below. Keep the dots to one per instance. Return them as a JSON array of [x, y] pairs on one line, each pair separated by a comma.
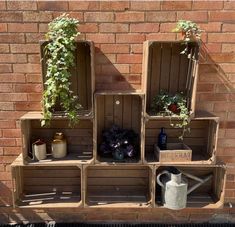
[[162, 139]]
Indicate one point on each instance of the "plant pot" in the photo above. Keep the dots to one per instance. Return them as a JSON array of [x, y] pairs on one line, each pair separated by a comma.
[[174, 108]]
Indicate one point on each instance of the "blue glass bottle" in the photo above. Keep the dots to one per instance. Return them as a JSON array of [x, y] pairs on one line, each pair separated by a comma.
[[162, 139]]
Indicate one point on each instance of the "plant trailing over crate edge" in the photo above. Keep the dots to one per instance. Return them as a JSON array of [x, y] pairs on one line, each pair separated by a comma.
[[190, 31], [60, 58], [166, 104]]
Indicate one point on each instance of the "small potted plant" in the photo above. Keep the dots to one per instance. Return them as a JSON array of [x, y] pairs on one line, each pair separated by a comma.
[[60, 58], [166, 104], [190, 31]]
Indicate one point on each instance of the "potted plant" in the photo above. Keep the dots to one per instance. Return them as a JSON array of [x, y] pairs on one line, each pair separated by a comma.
[[166, 104], [60, 58], [190, 31]]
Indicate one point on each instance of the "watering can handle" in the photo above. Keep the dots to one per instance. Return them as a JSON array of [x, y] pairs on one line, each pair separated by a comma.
[[159, 175]]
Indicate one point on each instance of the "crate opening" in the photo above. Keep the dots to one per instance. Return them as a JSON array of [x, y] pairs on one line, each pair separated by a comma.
[[118, 186], [81, 75], [48, 186], [201, 139], [171, 71], [79, 139], [208, 194], [123, 112]]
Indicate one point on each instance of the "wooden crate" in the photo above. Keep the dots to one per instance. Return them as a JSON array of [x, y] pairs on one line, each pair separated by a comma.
[[79, 139], [118, 186], [202, 138], [46, 186], [209, 194], [122, 109], [83, 74], [164, 68], [175, 152]]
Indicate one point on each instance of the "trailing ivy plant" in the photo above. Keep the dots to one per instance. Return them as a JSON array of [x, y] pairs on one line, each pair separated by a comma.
[[60, 58], [173, 106]]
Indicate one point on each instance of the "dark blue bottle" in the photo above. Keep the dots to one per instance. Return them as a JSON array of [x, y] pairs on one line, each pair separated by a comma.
[[162, 139]]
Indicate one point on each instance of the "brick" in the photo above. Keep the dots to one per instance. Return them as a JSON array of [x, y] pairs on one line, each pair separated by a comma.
[[7, 124], [211, 26], [33, 78], [167, 27], [193, 16], [176, 5], [129, 58], [129, 17], [223, 88], [228, 28], [103, 79], [145, 5], [29, 106], [105, 59], [4, 48], [28, 88], [12, 150], [34, 97], [27, 68], [12, 38], [221, 38], [214, 47], [130, 38], [84, 5], [5, 176], [77, 15], [3, 27], [226, 143], [209, 77], [21, 5], [12, 77], [12, 115], [101, 38], [213, 97], [98, 16], [229, 5], [34, 58], [206, 106], [8, 159], [135, 68], [2, 5], [144, 27], [110, 27], [136, 48], [231, 116], [53, 5], [5, 68], [114, 5], [11, 17], [230, 133], [6, 106], [160, 17], [207, 5], [224, 106], [25, 27], [7, 142], [43, 27], [161, 36], [37, 16], [223, 57], [205, 87], [13, 58], [228, 68], [25, 48], [11, 133], [114, 69], [134, 79], [6, 97], [222, 16], [4, 87], [115, 48], [34, 38], [88, 28]]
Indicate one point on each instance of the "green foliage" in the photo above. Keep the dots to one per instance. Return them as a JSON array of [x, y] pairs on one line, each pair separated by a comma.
[[60, 57], [173, 106]]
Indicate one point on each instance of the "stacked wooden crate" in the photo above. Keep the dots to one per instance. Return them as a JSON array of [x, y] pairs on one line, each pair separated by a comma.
[[86, 179]]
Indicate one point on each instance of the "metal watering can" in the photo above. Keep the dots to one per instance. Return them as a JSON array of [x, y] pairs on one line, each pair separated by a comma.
[[174, 189]]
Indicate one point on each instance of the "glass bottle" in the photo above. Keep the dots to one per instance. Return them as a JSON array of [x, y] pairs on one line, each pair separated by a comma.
[[162, 139]]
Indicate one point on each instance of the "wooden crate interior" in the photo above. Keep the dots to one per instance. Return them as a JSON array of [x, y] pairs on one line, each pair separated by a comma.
[[79, 139], [122, 110], [169, 70], [81, 74], [208, 194], [201, 138], [118, 186], [48, 186]]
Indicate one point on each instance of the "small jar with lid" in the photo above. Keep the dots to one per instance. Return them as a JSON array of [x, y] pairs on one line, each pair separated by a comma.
[[59, 146]]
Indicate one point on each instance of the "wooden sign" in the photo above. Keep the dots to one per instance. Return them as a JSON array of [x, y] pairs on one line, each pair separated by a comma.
[[175, 152]]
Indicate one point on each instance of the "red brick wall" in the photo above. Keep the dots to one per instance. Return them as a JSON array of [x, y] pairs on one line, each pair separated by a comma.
[[118, 30]]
